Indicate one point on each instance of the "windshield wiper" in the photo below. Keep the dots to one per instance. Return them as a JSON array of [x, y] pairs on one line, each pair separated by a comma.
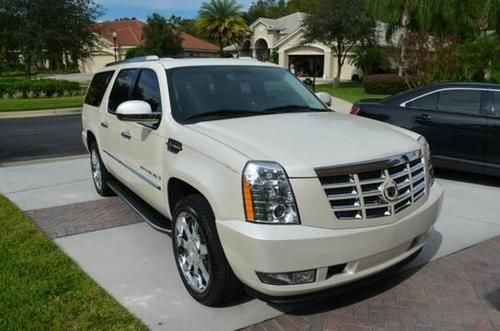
[[225, 113], [293, 109]]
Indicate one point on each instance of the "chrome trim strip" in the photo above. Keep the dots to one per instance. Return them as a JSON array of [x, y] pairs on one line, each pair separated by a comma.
[[403, 104], [135, 172]]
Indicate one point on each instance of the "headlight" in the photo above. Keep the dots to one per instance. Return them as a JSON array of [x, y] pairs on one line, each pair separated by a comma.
[[267, 194], [427, 154]]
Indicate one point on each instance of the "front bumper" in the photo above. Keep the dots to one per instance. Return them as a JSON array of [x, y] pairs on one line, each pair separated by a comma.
[[252, 248]]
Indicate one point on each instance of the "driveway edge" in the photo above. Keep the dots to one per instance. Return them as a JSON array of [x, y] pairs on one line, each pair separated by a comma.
[[40, 113]]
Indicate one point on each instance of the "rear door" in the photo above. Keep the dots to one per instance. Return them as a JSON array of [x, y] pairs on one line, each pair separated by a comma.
[[492, 154], [451, 121]]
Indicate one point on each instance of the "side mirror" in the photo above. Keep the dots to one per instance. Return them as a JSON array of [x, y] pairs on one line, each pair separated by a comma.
[[325, 97], [136, 111]]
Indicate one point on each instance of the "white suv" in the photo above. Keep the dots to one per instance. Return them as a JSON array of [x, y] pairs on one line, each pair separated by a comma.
[[257, 180]]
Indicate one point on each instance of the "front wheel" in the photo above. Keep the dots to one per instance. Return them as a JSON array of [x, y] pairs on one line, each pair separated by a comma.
[[199, 257]]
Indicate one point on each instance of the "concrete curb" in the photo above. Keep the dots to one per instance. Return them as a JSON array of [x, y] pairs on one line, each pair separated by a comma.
[[40, 113], [44, 160]]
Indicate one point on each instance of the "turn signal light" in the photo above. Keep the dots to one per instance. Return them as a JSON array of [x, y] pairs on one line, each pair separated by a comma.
[[248, 201]]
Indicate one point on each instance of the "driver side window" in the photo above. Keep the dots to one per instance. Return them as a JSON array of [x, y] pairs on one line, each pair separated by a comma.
[[122, 88]]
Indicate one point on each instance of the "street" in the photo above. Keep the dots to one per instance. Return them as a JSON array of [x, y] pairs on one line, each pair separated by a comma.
[[40, 137]]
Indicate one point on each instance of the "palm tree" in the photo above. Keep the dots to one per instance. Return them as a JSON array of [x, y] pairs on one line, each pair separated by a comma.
[[221, 21]]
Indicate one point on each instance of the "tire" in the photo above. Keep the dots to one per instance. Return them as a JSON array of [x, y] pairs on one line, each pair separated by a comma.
[[100, 175], [198, 253]]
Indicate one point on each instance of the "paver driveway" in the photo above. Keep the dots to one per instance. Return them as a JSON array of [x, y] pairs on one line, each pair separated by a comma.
[[134, 262]]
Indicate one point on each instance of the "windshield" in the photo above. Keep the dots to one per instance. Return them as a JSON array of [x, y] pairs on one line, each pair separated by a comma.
[[220, 92]]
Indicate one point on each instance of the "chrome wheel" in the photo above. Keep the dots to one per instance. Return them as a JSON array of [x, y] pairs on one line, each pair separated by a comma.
[[96, 169], [192, 252]]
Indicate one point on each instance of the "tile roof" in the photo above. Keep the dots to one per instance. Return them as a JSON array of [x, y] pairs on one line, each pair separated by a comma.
[[129, 34]]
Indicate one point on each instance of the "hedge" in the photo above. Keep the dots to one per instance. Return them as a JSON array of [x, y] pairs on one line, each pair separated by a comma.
[[33, 88], [384, 84]]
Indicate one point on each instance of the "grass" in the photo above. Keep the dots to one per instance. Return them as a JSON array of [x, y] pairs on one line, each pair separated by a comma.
[[351, 92], [43, 289], [40, 103]]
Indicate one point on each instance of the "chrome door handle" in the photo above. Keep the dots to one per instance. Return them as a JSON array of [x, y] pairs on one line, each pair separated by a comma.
[[424, 118], [104, 125], [126, 135]]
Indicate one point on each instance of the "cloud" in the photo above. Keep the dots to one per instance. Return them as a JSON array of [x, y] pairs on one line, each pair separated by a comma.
[[170, 5]]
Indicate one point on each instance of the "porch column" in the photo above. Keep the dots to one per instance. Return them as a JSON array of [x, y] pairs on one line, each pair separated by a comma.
[[327, 70], [283, 59]]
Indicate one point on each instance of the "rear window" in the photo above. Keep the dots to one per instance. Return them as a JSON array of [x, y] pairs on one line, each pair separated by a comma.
[[427, 102], [97, 88]]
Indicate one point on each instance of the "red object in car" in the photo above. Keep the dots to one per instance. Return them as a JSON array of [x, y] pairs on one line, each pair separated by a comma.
[[355, 110]]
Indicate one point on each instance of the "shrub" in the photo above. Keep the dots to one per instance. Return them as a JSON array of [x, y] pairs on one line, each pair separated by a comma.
[[27, 88], [384, 84]]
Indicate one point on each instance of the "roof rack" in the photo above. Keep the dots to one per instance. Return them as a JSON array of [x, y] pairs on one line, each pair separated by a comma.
[[135, 59]]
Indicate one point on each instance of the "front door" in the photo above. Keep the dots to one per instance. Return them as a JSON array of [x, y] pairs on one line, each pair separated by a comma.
[[143, 146], [452, 123]]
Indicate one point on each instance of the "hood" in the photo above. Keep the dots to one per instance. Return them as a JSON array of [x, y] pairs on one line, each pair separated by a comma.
[[301, 142]]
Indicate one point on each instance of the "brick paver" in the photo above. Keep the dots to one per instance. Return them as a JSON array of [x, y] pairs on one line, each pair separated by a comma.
[[457, 292], [83, 217]]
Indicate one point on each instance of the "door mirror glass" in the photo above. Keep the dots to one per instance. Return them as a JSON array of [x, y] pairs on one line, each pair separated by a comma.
[[137, 111], [326, 98]]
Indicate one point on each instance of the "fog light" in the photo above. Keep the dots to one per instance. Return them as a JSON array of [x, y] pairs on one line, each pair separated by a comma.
[[288, 278]]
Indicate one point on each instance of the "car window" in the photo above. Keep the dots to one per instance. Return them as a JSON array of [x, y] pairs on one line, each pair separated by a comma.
[[241, 90], [496, 103], [97, 88], [148, 89], [426, 102], [122, 88], [460, 101]]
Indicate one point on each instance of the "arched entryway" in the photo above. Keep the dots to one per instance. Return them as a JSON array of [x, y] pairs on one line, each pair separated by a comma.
[[262, 52], [245, 49]]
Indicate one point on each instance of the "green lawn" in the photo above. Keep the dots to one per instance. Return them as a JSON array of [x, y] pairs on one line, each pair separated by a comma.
[[43, 289], [351, 92], [40, 103]]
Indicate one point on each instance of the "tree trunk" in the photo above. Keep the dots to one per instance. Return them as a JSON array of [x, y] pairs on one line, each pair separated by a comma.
[[27, 64], [339, 71], [405, 22]]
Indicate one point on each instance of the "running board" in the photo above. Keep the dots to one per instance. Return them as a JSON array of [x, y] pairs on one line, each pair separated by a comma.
[[156, 220]]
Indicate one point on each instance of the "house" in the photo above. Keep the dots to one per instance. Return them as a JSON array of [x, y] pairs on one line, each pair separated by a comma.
[[115, 38], [282, 40]]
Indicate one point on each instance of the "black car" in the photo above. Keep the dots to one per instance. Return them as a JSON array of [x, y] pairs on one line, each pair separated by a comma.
[[461, 121]]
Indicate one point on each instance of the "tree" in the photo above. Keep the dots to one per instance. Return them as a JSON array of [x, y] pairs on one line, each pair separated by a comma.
[[371, 59], [183, 24], [160, 38], [267, 9], [54, 30], [341, 25], [304, 6], [222, 22], [406, 15]]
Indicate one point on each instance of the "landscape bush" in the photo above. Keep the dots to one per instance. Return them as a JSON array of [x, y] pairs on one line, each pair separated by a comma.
[[384, 84], [34, 88]]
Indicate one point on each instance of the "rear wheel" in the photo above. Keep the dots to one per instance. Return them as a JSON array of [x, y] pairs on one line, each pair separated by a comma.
[[199, 257], [99, 173]]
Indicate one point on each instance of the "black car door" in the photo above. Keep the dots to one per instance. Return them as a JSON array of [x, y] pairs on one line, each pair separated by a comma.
[[452, 123], [492, 154]]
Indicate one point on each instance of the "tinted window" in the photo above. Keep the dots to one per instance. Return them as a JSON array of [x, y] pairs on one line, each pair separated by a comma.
[[197, 92], [148, 89], [97, 88], [460, 101], [428, 102], [496, 103], [122, 88]]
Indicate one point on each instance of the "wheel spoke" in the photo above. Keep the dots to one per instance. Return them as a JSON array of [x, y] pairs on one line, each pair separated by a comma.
[[203, 272], [203, 250]]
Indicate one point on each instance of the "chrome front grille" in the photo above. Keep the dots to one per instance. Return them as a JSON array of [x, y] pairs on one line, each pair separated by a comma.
[[368, 191]]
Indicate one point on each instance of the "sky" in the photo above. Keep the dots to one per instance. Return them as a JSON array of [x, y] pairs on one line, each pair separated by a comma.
[[141, 9]]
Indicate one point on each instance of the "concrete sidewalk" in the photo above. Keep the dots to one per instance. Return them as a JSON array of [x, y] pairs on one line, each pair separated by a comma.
[[134, 262]]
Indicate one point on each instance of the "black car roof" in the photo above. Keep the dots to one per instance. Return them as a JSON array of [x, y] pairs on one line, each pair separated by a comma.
[[413, 93]]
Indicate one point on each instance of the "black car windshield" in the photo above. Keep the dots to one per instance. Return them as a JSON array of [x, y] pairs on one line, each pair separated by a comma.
[[206, 93]]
